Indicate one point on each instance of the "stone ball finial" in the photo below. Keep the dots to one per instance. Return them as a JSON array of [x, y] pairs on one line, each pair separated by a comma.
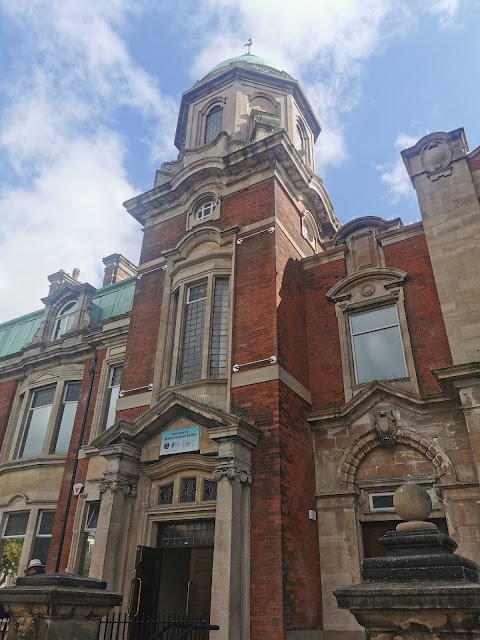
[[413, 504]]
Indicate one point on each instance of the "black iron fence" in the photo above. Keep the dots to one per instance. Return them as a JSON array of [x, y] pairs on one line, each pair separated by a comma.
[[165, 627], [3, 628]]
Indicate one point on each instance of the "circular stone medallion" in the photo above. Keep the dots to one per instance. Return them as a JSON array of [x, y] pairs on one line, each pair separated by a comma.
[[436, 155]]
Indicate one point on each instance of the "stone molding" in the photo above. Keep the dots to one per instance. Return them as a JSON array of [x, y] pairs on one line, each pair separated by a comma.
[[361, 446], [231, 472]]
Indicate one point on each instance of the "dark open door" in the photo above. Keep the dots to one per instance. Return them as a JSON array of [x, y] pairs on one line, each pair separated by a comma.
[[144, 591], [200, 583]]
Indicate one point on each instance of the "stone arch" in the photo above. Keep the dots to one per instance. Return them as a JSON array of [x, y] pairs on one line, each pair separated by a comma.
[[361, 447]]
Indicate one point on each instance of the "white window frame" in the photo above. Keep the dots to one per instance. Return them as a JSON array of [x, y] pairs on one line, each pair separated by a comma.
[[205, 210], [371, 498], [367, 291], [352, 340], [58, 331], [22, 404], [107, 402], [56, 433]]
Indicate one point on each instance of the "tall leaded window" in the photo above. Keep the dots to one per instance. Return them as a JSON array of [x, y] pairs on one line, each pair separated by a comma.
[[218, 350], [203, 334], [36, 424], [66, 419], [213, 123], [64, 319], [377, 345], [193, 333], [113, 391]]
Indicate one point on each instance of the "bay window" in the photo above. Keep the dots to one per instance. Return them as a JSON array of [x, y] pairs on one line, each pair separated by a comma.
[[48, 420]]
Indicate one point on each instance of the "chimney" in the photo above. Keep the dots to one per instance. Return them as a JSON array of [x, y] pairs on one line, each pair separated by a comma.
[[57, 279], [117, 268]]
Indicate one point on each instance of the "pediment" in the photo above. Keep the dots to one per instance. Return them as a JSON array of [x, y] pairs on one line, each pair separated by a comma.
[[367, 283], [374, 393], [175, 408]]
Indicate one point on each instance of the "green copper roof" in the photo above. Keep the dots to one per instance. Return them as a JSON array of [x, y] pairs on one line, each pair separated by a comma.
[[248, 58], [15, 334], [108, 302], [114, 299]]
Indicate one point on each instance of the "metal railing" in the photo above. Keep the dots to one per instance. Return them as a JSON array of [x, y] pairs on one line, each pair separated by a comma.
[[3, 627], [117, 626]]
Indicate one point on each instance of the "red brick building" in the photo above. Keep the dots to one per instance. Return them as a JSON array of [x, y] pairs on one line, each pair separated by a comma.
[[236, 413]]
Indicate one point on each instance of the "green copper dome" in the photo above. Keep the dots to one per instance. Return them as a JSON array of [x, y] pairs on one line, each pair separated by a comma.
[[246, 58]]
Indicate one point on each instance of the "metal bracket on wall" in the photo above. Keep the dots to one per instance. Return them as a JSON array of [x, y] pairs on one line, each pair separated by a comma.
[[271, 360], [147, 387], [270, 230], [140, 275]]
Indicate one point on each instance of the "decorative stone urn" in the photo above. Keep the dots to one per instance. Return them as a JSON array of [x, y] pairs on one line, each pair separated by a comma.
[[420, 590], [57, 606]]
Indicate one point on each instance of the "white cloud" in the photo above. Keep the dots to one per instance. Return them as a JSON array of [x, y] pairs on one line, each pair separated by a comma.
[[65, 159], [327, 42], [444, 11], [394, 175]]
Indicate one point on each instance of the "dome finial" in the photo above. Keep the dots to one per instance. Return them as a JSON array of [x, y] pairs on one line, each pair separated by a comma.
[[248, 44]]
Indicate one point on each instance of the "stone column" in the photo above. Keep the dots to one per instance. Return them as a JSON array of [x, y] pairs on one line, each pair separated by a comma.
[[340, 561], [57, 606], [230, 608], [117, 491]]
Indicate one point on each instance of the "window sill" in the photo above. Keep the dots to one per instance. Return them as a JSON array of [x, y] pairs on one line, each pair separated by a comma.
[[406, 384], [43, 461]]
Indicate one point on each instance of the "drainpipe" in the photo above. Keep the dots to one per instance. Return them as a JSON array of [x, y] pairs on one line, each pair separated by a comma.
[[93, 366]]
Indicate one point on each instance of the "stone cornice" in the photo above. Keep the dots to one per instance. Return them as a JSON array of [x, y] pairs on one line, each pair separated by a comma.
[[453, 378], [276, 149]]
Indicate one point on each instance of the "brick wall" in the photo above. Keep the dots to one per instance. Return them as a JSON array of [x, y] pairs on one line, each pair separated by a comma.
[[81, 473], [248, 206], [324, 356], [291, 322], [254, 321], [7, 395], [260, 403], [288, 214], [162, 236], [424, 316], [301, 563], [143, 334], [474, 163]]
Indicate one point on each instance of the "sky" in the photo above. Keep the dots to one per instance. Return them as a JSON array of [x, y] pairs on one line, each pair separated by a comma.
[[90, 90]]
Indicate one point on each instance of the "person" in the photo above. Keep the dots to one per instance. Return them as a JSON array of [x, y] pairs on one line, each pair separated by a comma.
[[35, 568]]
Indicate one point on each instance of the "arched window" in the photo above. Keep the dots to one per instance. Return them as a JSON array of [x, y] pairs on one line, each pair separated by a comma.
[[213, 123], [64, 320], [205, 210], [301, 142]]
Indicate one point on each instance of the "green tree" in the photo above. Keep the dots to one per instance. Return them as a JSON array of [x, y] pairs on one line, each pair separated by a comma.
[[10, 560]]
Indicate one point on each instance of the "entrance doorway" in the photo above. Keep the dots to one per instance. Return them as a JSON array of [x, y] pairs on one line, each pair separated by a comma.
[[176, 575]]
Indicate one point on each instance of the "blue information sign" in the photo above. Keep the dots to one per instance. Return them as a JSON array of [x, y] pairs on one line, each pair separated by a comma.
[[180, 440]]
